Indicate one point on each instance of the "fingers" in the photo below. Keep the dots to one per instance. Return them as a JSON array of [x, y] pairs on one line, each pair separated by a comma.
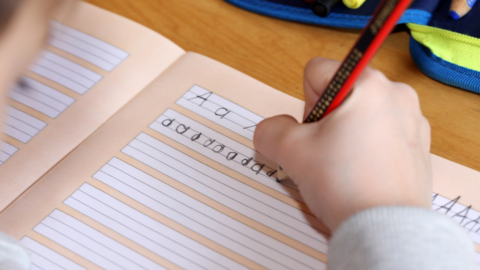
[[318, 73], [272, 134], [372, 86]]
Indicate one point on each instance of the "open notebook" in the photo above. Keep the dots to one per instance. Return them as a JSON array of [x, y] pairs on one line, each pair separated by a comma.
[[125, 152]]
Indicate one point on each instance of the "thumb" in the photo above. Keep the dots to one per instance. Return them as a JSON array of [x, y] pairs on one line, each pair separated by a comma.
[[318, 73], [272, 137]]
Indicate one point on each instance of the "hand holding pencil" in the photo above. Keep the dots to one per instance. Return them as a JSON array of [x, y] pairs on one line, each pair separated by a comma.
[[366, 141], [374, 150]]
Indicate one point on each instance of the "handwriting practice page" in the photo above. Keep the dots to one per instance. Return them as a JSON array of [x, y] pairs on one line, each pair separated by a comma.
[[172, 181], [79, 80]]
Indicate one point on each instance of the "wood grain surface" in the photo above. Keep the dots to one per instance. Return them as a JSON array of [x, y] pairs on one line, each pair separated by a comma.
[[275, 52]]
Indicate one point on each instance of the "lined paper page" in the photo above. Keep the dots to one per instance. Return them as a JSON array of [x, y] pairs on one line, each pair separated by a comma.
[[203, 219], [220, 110], [86, 47], [44, 258], [147, 232], [223, 150], [6, 151], [222, 188], [91, 244], [65, 72], [40, 97], [22, 126]]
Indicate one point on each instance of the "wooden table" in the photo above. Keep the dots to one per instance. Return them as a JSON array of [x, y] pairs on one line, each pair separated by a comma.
[[275, 52]]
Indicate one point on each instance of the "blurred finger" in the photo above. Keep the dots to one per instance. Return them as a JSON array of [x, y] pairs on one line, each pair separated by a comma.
[[271, 136], [318, 73]]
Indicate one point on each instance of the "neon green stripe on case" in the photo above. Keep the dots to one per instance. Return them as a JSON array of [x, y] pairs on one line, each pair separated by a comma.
[[453, 47]]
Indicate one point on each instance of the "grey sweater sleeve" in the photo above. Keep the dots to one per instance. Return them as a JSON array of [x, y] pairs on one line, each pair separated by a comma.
[[12, 255], [400, 237]]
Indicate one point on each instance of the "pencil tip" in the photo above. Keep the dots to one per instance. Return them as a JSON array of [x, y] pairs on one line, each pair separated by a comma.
[[454, 15]]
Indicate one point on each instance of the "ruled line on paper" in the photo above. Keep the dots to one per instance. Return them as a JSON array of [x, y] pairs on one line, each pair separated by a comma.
[[222, 149], [6, 151], [22, 126], [220, 110], [227, 191], [65, 72], [203, 219], [43, 257], [146, 231], [205, 179], [40, 97], [91, 244], [86, 47]]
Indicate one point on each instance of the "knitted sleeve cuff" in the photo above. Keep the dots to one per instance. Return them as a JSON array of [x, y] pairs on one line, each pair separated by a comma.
[[12, 255], [400, 237]]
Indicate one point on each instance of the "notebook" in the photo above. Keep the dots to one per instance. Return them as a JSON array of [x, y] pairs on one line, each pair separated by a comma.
[[126, 152]]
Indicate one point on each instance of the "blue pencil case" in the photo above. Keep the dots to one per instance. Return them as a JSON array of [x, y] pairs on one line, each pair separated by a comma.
[[444, 49]]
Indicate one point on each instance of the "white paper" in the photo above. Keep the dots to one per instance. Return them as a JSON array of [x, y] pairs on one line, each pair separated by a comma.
[[44, 258], [22, 126], [86, 47], [6, 151], [223, 150], [224, 189], [91, 244], [41, 97], [146, 231], [220, 111], [65, 72], [465, 216], [203, 219]]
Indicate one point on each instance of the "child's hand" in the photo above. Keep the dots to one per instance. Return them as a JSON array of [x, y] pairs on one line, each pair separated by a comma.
[[374, 150]]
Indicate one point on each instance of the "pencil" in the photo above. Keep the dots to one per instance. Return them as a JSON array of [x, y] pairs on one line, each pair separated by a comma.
[[460, 8], [374, 34]]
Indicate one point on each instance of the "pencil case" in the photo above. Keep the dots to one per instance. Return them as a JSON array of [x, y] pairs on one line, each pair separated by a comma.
[[444, 49]]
